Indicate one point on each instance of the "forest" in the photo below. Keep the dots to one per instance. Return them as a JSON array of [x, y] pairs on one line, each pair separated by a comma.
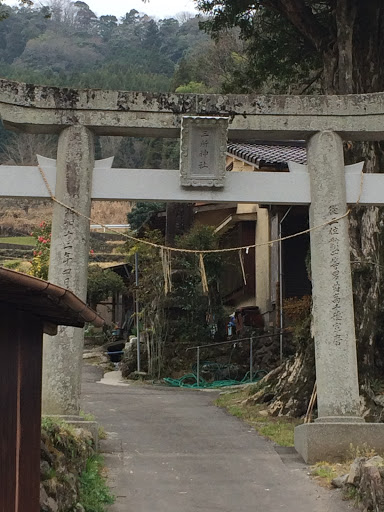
[[65, 44]]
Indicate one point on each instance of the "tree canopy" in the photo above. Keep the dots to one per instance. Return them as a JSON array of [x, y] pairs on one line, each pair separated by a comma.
[[339, 41], [66, 44], [102, 283]]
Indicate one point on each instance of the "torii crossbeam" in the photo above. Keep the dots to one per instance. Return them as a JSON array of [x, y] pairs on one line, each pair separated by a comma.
[[110, 184]]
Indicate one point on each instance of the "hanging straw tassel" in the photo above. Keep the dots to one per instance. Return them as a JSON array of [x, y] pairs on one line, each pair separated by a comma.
[[241, 258], [203, 274], [165, 255]]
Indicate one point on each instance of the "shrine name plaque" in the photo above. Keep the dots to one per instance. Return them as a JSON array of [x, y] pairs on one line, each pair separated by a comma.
[[202, 151]]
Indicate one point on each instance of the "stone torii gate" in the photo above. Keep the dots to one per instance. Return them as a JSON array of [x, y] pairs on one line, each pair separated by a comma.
[[77, 115]]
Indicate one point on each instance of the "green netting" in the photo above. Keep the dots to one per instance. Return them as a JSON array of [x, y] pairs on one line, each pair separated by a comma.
[[190, 379]]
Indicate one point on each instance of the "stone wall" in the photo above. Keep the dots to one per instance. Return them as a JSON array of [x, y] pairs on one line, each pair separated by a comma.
[[64, 454]]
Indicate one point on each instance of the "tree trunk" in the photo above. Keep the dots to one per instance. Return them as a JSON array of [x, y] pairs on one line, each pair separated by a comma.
[[179, 221], [345, 21], [366, 224], [288, 388], [353, 63], [367, 256]]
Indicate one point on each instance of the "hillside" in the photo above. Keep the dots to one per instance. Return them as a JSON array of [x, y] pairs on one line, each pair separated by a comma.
[[21, 217], [66, 44]]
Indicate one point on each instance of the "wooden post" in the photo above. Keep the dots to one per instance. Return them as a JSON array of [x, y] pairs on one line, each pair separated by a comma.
[[20, 402]]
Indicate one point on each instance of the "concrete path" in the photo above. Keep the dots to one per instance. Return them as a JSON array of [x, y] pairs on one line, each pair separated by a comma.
[[171, 450]]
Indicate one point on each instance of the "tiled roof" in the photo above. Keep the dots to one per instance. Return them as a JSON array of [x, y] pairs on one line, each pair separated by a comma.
[[268, 154]]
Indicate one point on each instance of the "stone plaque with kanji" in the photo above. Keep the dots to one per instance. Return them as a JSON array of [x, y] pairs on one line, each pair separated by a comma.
[[202, 151]]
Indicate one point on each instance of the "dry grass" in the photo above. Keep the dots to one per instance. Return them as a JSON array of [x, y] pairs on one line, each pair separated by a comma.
[[324, 472], [111, 212], [16, 264], [22, 217], [279, 429]]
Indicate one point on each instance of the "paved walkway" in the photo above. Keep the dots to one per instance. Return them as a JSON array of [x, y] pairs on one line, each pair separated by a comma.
[[171, 450]]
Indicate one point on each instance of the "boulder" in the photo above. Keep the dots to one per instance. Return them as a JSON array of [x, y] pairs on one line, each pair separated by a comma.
[[355, 471], [45, 470], [371, 488], [375, 461], [47, 504], [340, 481], [129, 360], [366, 475], [138, 376], [379, 400]]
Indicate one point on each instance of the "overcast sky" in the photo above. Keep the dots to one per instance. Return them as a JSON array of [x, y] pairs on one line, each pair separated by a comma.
[[156, 8]]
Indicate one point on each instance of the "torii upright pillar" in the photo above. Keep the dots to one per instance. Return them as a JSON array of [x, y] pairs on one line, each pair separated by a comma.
[[339, 423], [62, 354], [333, 318]]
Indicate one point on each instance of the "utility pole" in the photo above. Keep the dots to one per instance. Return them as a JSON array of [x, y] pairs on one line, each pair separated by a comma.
[[137, 310]]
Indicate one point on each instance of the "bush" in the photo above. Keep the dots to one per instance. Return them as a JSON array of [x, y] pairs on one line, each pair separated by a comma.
[[40, 260], [102, 283], [93, 491]]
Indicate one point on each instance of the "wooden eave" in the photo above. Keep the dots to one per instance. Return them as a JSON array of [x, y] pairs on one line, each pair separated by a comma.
[[53, 304]]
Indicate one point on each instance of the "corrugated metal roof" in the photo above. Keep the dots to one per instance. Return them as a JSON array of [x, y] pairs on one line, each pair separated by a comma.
[[268, 154]]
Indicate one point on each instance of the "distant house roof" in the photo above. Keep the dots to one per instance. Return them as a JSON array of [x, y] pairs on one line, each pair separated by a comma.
[[122, 269], [52, 303], [269, 155]]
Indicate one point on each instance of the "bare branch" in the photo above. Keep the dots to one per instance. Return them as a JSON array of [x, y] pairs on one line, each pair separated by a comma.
[[313, 79]]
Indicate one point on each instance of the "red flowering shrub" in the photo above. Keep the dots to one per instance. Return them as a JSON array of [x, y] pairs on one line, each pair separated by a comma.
[[40, 260]]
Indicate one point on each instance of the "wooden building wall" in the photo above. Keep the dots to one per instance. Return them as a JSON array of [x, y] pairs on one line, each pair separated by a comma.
[[20, 410]]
